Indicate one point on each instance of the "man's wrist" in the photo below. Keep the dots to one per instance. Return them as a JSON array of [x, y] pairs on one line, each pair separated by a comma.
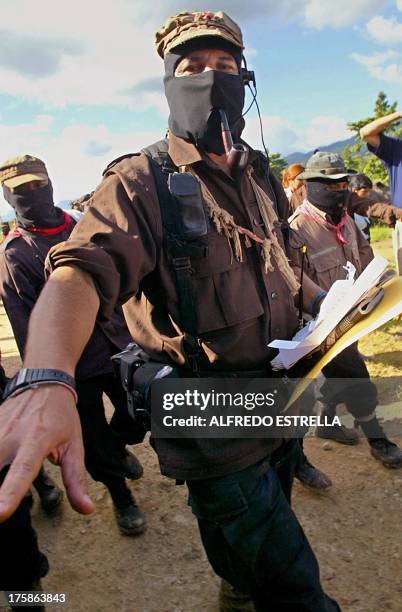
[[315, 303], [32, 378]]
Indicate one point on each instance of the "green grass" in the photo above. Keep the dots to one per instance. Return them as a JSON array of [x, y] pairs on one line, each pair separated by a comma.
[[380, 233]]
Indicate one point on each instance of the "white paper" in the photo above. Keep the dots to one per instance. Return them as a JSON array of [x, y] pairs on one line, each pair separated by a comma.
[[341, 298]]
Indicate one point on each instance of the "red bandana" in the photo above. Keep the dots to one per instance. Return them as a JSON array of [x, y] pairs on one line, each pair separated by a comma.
[[52, 231], [311, 213]]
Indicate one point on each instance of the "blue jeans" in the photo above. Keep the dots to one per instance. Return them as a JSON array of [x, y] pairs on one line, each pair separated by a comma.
[[253, 539]]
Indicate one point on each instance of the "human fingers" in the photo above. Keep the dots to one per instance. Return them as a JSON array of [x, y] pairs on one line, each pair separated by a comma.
[[22, 471], [74, 477]]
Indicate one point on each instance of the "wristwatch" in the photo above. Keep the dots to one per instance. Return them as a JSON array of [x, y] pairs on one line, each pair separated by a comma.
[[29, 378]]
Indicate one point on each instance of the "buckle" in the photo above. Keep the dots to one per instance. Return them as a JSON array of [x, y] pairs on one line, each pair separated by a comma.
[[181, 263]]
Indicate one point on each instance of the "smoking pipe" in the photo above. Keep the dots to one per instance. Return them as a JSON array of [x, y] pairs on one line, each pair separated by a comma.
[[236, 154]]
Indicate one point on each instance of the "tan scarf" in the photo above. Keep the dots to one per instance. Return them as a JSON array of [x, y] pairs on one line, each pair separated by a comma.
[[270, 247]]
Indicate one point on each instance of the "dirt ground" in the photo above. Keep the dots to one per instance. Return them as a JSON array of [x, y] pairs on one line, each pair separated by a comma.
[[355, 529]]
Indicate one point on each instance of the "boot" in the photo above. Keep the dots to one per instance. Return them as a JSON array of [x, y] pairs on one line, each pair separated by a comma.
[[382, 449], [49, 493], [132, 465], [338, 433], [232, 600], [130, 520], [135, 471], [310, 476]]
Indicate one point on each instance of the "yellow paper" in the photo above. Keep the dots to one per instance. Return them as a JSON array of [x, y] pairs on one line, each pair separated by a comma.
[[389, 307]]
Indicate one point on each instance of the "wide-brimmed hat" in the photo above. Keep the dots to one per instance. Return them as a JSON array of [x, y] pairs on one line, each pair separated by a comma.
[[325, 165]]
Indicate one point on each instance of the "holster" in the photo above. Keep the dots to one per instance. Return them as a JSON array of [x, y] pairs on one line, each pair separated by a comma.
[[137, 371]]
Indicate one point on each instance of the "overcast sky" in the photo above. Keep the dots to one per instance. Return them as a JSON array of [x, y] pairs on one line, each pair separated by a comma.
[[80, 81]]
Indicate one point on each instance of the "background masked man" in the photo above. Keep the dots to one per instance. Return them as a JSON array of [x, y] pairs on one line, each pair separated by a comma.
[[332, 239], [39, 226]]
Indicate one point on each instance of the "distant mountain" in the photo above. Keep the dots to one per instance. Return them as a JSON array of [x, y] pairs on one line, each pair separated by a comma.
[[335, 147]]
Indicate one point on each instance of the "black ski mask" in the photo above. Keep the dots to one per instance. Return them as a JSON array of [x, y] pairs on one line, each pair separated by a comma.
[[35, 208], [330, 202], [193, 102]]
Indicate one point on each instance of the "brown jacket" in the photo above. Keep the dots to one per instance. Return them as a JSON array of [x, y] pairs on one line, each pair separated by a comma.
[[240, 308], [22, 259], [326, 257]]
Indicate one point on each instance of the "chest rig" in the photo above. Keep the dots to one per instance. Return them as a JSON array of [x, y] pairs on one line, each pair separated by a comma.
[[185, 227], [186, 224]]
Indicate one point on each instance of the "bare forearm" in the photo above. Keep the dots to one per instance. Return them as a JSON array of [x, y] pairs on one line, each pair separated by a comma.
[[62, 320], [378, 125]]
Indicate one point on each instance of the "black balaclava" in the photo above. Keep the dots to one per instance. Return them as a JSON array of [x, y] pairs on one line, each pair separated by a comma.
[[193, 99], [330, 202], [35, 208]]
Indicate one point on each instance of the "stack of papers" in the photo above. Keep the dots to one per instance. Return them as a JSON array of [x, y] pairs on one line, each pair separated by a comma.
[[341, 298]]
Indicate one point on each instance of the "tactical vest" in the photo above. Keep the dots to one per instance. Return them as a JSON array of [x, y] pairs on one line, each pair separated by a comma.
[[185, 227]]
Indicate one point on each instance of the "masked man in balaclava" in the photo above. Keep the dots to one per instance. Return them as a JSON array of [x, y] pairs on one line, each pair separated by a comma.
[[39, 226], [331, 237], [190, 229]]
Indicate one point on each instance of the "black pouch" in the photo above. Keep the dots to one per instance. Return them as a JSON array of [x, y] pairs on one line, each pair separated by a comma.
[[191, 217], [137, 371]]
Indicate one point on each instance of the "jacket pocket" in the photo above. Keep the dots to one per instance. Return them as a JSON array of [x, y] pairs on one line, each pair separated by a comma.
[[225, 289], [328, 267]]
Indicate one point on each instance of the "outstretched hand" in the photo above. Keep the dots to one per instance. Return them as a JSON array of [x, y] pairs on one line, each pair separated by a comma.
[[36, 424]]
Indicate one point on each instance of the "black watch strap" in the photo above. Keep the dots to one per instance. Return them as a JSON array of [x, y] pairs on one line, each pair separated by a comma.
[[32, 377]]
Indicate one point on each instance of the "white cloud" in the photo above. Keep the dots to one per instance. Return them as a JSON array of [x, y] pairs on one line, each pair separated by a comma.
[[76, 155], [399, 4], [77, 59], [279, 135], [325, 129], [385, 31], [321, 13], [282, 137], [381, 65], [116, 52]]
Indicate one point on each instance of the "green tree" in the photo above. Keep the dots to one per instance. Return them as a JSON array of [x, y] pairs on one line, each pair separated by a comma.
[[356, 156], [277, 164]]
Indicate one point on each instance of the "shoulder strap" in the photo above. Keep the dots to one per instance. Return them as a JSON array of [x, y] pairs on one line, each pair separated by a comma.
[[179, 251], [162, 166], [264, 170]]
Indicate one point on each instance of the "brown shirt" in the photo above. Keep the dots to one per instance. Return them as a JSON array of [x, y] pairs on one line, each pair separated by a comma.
[[240, 307], [325, 256]]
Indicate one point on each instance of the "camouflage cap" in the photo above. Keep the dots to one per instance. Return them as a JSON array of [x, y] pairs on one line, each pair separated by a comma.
[[186, 26], [324, 165], [22, 169]]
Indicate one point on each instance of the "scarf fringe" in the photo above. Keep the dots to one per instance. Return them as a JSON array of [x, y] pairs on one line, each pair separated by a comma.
[[270, 247]]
